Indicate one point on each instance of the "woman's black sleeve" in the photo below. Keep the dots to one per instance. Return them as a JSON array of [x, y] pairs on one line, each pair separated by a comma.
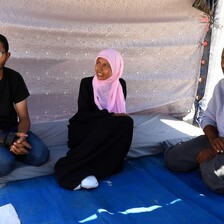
[[85, 95], [124, 87]]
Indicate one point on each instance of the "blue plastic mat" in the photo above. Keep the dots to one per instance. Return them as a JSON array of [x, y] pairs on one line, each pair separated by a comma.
[[144, 193]]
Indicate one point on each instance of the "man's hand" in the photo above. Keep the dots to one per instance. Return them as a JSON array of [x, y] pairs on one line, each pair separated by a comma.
[[218, 144], [206, 154], [21, 146]]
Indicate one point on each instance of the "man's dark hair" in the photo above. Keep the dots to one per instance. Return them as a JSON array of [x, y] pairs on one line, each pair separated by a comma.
[[5, 43]]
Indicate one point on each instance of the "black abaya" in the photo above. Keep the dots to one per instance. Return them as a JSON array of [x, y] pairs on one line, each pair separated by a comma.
[[98, 141]]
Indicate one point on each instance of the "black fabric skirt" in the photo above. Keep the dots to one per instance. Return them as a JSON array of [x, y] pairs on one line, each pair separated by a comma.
[[97, 147]]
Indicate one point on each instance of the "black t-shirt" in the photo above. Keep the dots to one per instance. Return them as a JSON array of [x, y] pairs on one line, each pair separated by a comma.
[[12, 90]]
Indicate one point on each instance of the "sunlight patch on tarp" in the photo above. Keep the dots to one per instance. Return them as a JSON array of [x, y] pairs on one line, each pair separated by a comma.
[[140, 209], [108, 182], [175, 201], [129, 211], [90, 218], [93, 217], [104, 210]]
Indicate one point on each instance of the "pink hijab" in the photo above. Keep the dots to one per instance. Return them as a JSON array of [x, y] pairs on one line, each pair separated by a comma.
[[108, 94]]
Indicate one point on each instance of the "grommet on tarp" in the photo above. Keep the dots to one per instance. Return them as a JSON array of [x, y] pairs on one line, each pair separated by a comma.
[[205, 43], [203, 62], [201, 79], [198, 98]]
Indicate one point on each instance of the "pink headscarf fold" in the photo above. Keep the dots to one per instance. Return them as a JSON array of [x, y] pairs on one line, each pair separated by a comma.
[[108, 94]]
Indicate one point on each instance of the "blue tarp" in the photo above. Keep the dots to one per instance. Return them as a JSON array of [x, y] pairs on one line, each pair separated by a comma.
[[145, 192]]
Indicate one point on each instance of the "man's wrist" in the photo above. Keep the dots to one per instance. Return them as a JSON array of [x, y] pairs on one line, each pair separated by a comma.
[[7, 138]]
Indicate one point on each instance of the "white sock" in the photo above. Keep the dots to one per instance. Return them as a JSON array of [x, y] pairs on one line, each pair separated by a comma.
[[89, 182], [77, 188]]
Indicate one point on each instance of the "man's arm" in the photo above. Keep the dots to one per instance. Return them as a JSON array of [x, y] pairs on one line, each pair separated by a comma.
[[23, 115], [7, 138], [215, 141], [21, 145]]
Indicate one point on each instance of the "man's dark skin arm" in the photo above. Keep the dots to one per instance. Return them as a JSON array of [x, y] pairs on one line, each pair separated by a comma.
[[21, 146], [216, 142]]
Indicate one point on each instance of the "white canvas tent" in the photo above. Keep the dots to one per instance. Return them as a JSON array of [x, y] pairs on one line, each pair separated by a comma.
[[214, 71], [54, 45]]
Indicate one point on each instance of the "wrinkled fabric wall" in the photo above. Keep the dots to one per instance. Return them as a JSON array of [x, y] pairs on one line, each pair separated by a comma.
[[211, 70], [215, 72], [54, 44]]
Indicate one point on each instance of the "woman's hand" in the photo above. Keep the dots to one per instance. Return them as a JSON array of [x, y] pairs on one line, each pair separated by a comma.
[[206, 154]]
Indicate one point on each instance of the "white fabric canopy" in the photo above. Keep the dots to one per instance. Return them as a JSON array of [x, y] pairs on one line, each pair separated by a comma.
[[215, 72], [54, 45]]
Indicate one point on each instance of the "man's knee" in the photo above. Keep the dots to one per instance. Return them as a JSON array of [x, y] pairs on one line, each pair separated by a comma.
[[177, 158], [213, 178], [39, 153], [40, 158], [6, 167], [172, 159], [214, 182]]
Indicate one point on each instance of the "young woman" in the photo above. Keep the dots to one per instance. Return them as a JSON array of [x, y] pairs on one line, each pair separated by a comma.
[[100, 133]]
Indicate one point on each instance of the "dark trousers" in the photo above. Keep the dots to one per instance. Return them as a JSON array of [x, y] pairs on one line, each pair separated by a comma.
[[183, 157]]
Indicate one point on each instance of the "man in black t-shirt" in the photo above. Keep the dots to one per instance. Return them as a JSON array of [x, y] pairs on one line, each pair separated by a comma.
[[16, 141]]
